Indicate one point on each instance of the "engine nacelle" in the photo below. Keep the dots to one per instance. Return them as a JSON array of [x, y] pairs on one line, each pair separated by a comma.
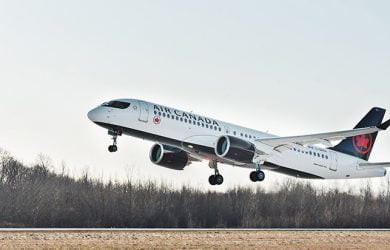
[[235, 149], [169, 157]]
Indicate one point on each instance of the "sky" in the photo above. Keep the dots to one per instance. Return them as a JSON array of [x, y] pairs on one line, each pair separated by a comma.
[[286, 67]]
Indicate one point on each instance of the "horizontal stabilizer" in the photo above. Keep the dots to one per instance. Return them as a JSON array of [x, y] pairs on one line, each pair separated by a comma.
[[323, 138], [366, 166]]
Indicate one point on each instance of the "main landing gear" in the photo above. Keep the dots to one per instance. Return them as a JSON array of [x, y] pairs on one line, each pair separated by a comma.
[[113, 148], [257, 175], [215, 179]]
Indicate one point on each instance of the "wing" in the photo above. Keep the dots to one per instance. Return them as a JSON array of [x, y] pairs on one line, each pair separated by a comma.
[[194, 157], [323, 138]]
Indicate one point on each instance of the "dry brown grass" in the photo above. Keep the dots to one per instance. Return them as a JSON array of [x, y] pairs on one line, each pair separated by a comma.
[[212, 239]]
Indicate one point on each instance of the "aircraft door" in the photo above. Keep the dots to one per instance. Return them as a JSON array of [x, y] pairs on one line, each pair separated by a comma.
[[333, 161], [143, 111]]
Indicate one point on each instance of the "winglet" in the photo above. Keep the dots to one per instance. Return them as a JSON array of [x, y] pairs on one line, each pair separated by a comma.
[[384, 125]]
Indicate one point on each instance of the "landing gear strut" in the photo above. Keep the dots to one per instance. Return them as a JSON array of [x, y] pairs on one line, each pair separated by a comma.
[[257, 175], [113, 148], [215, 179]]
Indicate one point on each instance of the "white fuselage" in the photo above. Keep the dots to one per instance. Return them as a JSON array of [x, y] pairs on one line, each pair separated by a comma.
[[198, 135]]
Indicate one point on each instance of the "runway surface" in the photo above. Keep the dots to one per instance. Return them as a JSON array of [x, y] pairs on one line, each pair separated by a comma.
[[186, 229], [194, 238]]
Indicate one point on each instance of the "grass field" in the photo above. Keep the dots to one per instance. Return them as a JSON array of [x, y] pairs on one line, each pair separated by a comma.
[[212, 239]]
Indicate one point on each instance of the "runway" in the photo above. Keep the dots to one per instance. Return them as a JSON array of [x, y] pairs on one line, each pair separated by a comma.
[[193, 229], [161, 238]]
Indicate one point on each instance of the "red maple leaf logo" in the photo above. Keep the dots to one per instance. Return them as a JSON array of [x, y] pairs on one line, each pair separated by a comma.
[[156, 120], [362, 143]]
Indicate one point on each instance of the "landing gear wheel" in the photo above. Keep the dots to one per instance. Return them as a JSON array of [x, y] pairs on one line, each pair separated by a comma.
[[257, 176], [114, 133], [112, 148], [253, 176], [260, 175], [212, 180], [218, 179]]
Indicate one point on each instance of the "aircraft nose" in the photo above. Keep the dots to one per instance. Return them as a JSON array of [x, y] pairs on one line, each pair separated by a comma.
[[93, 115]]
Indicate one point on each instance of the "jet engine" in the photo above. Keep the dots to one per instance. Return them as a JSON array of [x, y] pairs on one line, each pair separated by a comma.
[[235, 149], [169, 157]]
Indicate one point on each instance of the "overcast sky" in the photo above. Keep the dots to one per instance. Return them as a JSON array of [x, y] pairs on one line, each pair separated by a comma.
[[287, 67]]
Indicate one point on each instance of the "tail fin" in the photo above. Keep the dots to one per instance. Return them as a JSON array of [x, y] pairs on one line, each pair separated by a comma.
[[360, 146]]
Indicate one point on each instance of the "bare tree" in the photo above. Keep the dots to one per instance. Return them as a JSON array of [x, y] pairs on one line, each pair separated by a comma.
[[37, 196]]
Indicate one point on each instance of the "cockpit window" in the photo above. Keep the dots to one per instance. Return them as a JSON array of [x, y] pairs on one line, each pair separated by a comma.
[[116, 104]]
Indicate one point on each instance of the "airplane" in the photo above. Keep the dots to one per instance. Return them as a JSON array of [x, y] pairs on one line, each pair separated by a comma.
[[184, 137]]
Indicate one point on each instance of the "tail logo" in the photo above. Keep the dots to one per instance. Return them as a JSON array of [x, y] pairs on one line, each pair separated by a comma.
[[362, 143]]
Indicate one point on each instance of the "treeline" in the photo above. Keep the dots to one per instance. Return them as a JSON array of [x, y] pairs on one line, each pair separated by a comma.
[[37, 197]]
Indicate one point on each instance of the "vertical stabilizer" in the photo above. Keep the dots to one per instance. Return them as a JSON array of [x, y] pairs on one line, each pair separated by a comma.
[[361, 145]]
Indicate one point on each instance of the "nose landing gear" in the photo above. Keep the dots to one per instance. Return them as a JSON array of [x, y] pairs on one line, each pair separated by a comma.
[[114, 133], [112, 148]]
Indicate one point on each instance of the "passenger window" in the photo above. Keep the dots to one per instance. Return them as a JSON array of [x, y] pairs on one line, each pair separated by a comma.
[[163, 114], [207, 126], [202, 125], [220, 129], [155, 112], [185, 120], [181, 119], [159, 113], [250, 137], [242, 134], [168, 116], [177, 118]]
